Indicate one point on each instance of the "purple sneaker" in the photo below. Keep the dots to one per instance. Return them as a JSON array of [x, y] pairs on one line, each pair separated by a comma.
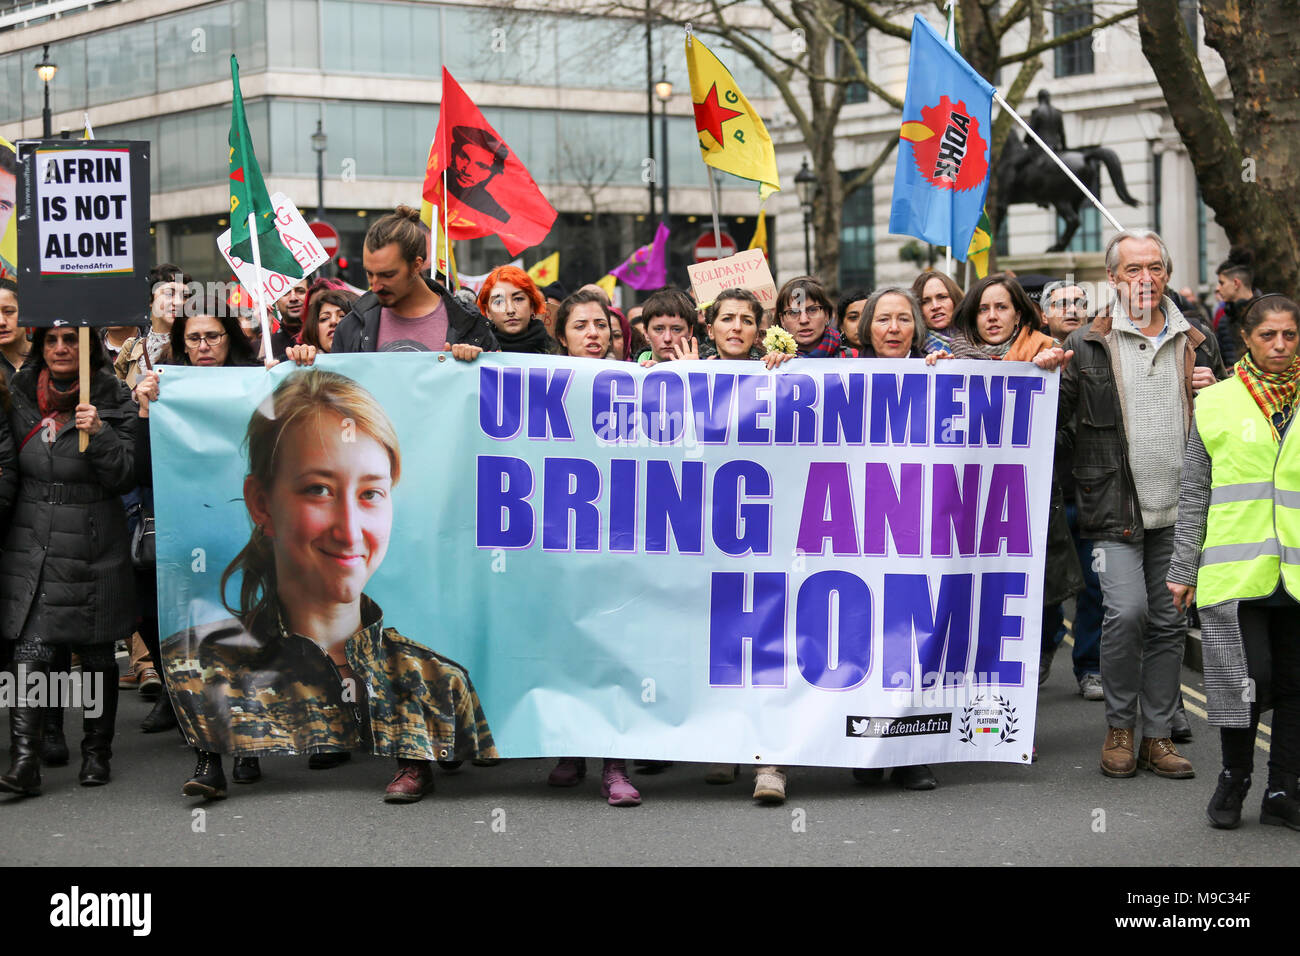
[[568, 772], [616, 788]]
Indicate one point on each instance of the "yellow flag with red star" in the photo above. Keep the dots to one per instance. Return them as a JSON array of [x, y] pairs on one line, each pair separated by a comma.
[[732, 137], [546, 271]]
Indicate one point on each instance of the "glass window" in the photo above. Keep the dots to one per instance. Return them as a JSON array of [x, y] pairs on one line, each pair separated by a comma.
[[194, 47], [248, 23], [855, 29], [1202, 252], [11, 79], [292, 26], [146, 130], [1087, 238], [612, 54], [1002, 241], [1157, 187], [498, 46], [292, 125], [120, 64], [1073, 58], [1188, 9], [858, 238], [396, 39]]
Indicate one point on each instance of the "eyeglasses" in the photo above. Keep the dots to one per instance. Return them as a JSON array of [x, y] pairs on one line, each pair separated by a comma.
[[211, 338], [1155, 270], [812, 311]]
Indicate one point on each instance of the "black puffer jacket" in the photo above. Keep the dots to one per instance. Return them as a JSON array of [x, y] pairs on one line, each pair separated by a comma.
[[67, 548], [359, 329]]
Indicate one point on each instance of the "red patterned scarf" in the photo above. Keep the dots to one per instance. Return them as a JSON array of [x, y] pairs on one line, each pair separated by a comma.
[[54, 403], [832, 345], [1274, 392]]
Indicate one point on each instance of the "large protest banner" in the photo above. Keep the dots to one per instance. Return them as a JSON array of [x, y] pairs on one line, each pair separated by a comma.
[[839, 563]]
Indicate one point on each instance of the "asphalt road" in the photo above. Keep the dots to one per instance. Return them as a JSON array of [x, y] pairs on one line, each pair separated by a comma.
[[1060, 810]]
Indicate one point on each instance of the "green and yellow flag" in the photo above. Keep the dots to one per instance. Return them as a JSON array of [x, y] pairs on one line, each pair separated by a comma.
[[248, 195], [980, 244], [732, 137]]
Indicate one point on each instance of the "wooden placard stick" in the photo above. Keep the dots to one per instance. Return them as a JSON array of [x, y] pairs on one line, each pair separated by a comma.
[[83, 350]]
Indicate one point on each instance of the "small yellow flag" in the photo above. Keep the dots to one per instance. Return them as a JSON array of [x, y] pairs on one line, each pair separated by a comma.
[[446, 253], [980, 244], [607, 283], [546, 271], [731, 134], [760, 233]]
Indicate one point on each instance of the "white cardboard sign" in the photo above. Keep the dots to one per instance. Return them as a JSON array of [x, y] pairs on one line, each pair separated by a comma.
[[298, 239]]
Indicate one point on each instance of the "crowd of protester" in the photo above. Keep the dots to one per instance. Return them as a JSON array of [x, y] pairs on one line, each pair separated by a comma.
[[1162, 500]]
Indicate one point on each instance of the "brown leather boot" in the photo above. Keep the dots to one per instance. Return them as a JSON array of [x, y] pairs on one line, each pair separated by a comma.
[[1161, 757], [1117, 753]]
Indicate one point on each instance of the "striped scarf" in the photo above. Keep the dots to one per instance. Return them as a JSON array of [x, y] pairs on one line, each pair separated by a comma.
[[1274, 392], [832, 345]]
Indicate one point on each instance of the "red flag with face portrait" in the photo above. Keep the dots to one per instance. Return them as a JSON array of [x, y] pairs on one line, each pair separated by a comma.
[[489, 190]]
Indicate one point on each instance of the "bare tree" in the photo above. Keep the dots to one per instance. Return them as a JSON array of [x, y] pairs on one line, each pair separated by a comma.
[[810, 56], [1251, 179], [591, 169]]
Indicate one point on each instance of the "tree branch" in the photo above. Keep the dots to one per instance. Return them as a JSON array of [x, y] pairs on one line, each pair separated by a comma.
[[1035, 49]]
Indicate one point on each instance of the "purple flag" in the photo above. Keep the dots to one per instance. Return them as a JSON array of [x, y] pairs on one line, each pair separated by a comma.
[[646, 268]]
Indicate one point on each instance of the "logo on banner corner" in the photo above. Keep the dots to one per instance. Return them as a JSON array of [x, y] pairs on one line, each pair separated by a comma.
[[911, 726], [984, 721], [947, 147]]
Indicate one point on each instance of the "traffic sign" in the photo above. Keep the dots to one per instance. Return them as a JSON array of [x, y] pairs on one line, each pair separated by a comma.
[[328, 236], [706, 250]]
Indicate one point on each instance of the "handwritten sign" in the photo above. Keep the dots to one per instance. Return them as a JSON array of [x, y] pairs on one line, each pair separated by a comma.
[[298, 239], [744, 270]]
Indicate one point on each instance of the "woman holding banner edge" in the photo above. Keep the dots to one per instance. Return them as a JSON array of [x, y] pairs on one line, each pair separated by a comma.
[[306, 664]]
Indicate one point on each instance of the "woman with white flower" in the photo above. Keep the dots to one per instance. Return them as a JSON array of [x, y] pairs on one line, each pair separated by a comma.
[[731, 321]]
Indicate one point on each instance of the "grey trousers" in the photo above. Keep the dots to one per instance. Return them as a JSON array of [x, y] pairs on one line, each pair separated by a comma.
[[1142, 633]]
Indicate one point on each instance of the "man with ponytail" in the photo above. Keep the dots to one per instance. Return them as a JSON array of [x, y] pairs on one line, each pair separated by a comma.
[[405, 310]]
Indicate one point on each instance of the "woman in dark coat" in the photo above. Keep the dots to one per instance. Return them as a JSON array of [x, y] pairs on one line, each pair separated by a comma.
[[65, 574]]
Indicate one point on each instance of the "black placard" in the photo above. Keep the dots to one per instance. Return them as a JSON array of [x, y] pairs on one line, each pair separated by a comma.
[[83, 231]]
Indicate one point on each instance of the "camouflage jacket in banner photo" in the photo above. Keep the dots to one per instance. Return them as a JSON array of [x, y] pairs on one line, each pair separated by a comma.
[[279, 693]]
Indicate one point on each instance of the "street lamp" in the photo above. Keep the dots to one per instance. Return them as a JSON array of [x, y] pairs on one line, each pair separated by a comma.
[[805, 183], [650, 107], [664, 90], [319, 141], [46, 70]]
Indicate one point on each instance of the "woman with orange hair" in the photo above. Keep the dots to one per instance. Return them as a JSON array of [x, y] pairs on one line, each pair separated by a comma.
[[515, 306]]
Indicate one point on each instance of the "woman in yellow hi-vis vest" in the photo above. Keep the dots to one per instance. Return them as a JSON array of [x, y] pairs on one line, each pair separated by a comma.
[[1237, 556]]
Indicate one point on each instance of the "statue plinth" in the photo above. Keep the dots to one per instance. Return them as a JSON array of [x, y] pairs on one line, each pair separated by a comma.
[[1084, 266]]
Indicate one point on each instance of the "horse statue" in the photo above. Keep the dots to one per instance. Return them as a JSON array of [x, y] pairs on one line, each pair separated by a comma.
[[1024, 178]]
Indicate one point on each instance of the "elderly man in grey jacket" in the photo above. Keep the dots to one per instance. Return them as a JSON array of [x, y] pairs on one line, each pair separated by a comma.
[[1126, 403]]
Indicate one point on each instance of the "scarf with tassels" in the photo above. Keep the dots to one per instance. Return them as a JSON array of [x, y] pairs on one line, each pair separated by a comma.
[[832, 345], [1275, 392], [56, 404]]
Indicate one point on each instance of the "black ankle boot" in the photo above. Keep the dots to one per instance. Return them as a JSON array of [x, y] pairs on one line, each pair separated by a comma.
[[54, 746], [1224, 811], [1281, 804], [161, 718], [246, 770], [209, 780], [24, 774], [97, 746]]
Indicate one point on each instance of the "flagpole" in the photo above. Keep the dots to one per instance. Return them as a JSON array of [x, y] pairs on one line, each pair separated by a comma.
[[949, 35], [446, 239], [267, 358], [713, 198], [997, 97]]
